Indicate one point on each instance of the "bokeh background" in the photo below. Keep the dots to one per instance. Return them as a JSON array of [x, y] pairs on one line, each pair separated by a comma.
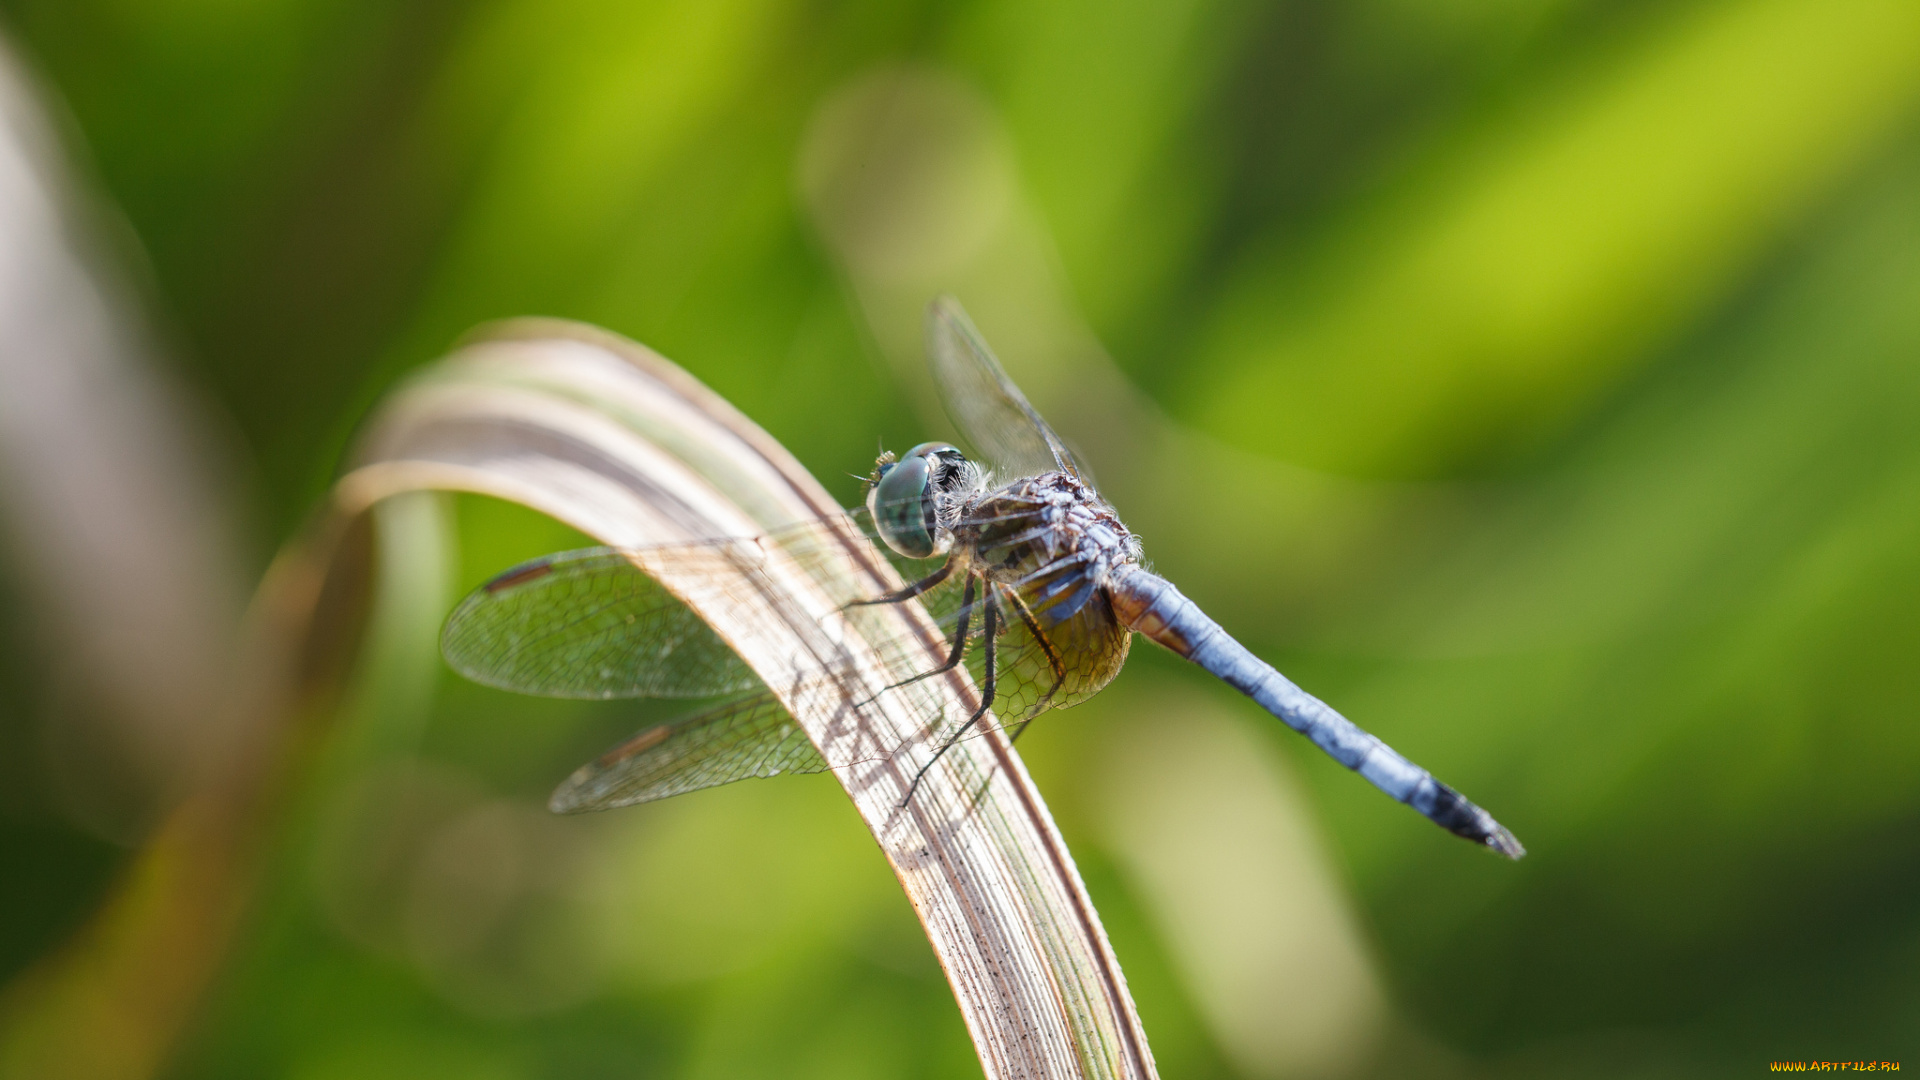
[[1536, 380]]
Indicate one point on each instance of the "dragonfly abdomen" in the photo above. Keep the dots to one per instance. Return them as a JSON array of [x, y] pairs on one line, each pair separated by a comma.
[[1150, 605]]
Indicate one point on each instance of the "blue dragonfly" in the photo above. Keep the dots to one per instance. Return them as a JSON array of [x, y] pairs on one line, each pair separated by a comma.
[[1038, 591]]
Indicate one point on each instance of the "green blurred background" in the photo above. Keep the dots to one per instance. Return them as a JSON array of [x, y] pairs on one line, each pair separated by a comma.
[[1538, 381]]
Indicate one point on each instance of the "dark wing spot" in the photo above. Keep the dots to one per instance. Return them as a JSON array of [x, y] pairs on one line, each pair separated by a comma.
[[639, 744], [519, 575]]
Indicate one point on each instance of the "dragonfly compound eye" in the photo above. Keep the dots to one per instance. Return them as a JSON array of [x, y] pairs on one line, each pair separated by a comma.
[[902, 506], [902, 503]]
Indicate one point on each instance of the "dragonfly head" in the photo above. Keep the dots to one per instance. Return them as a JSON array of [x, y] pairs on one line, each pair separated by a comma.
[[907, 495]]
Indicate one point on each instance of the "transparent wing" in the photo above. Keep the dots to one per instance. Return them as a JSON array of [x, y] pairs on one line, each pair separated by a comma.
[[756, 737], [1038, 664], [1040, 667], [588, 624], [751, 737], [990, 411]]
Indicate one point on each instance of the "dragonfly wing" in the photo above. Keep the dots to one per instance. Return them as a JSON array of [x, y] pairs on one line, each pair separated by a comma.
[[753, 736], [988, 408], [1045, 665], [1039, 664], [588, 624], [591, 624]]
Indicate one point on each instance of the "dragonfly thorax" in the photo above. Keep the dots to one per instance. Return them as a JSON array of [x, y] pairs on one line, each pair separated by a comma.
[[1051, 537]]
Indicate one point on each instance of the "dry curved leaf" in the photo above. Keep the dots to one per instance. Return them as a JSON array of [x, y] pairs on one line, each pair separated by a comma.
[[608, 437]]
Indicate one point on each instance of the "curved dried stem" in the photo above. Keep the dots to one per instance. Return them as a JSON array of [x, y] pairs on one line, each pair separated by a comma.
[[608, 437]]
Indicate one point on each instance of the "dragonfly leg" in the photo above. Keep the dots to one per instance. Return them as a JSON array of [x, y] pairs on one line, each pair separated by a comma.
[[911, 591], [953, 656], [991, 626]]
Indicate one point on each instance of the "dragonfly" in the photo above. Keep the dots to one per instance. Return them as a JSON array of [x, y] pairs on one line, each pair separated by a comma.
[[1036, 586]]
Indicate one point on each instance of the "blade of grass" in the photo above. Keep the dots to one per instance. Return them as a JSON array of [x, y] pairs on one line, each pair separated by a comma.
[[608, 437]]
